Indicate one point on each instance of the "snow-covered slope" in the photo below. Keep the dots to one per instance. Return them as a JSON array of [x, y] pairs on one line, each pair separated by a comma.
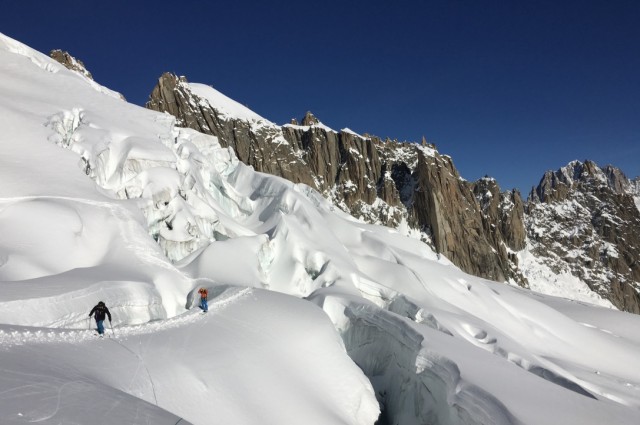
[[102, 200], [226, 105]]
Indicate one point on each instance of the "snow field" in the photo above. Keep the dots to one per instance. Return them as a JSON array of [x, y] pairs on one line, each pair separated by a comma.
[[253, 348], [102, 200]]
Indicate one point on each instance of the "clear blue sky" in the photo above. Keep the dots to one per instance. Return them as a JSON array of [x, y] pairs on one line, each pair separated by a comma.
[[507, 88]]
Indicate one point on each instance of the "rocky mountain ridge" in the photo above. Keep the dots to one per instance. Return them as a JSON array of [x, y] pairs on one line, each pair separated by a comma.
[[394, 184], [70, 62], [412, 186], [584, 219]]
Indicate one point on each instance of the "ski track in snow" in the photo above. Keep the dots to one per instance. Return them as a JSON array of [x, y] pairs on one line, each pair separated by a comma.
[[10, 336]]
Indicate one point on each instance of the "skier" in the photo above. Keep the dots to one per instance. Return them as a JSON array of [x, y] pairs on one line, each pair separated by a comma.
[[100, 311], [203, 299]]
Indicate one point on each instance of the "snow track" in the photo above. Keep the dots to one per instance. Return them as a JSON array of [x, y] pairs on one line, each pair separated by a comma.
[[20, 335]]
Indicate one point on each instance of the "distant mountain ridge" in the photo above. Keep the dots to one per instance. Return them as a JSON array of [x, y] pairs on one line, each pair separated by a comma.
[[584, 219], [408, 185]]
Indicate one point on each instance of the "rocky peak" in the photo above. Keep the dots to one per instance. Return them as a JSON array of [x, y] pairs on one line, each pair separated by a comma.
[[486, 191], [588, 172], [309, 119], [583, 220], [502, 220], [556, 185], [258, 144], [616, 180], [172, 96], [70, 62]]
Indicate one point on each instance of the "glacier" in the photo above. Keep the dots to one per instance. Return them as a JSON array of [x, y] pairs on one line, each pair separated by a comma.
[[315, 316]]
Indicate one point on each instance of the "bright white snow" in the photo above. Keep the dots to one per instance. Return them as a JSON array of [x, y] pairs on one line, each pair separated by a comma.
[[314, 317], [224, 104]]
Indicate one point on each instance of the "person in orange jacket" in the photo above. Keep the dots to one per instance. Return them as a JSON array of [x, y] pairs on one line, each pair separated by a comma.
[[203, 299]]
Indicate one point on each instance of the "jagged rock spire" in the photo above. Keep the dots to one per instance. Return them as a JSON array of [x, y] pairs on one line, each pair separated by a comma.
[[169, 96], [309, 119], [70, 62]]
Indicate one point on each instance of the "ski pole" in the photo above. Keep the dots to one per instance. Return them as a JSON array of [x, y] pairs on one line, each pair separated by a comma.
[[112, 331]]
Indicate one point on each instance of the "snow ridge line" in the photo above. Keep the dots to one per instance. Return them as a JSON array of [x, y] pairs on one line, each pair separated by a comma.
[[21, 335], [126, 219]]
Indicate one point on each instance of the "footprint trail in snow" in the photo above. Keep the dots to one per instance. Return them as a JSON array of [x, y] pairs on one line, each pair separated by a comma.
[[19, 335]]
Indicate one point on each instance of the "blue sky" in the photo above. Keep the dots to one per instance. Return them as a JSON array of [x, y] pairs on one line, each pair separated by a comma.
[[509, 89]]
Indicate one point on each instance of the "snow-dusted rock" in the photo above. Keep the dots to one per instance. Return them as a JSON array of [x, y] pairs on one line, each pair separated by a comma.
[[400, 185], [70, 62], [583, 219]]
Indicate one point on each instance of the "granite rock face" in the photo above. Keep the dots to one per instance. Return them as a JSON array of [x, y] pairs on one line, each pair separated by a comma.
[[582, 219], [341, 163], [76, 65], [380, 182], [70, 62], [503, 222], [259, 144]]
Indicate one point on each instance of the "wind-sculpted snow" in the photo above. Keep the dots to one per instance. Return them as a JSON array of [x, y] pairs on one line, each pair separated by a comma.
[[416, 384], [61, 254], [40, 60], [62, 386], [255, 357], [102, 200], [43, 62], [481, 328]]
